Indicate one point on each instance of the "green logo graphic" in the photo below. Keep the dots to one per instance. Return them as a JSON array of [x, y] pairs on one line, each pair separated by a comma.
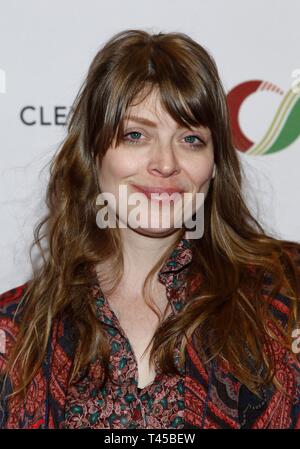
[[284, 128]]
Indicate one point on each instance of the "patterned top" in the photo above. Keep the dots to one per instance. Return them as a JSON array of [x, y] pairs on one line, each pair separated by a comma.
[[213, 397], [119, 404]]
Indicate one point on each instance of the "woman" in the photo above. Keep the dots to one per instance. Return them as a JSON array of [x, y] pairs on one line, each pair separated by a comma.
[[149, 327]]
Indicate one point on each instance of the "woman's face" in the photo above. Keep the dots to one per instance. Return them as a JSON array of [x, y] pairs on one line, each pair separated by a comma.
[[156, 153]]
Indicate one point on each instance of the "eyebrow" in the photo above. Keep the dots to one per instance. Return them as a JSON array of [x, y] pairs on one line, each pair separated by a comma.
[[147, 122], [144, 121]]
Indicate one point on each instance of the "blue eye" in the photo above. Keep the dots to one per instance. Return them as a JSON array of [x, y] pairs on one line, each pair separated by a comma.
[[200, 141], [134, 138]]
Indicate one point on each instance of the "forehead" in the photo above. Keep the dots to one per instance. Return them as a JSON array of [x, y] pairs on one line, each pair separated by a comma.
[[146, 103], [150, 111]]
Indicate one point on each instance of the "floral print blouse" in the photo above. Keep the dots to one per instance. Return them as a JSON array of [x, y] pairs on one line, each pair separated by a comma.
[[119, 404], [212, 397]]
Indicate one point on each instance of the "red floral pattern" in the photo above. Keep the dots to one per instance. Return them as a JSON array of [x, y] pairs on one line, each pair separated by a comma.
[[119, 404], [213, 397]]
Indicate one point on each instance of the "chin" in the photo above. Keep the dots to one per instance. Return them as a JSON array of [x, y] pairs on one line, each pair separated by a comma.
[[156, 232]]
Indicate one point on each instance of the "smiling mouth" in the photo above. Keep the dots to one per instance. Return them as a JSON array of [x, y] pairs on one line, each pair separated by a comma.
[[153, 193]]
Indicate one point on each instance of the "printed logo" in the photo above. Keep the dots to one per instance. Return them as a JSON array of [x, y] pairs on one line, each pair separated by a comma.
[[285, 126]]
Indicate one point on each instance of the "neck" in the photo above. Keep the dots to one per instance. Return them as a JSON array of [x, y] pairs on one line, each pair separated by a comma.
[[142, 252]]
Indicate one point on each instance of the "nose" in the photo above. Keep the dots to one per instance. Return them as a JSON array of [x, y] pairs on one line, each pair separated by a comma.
[[163, 160]]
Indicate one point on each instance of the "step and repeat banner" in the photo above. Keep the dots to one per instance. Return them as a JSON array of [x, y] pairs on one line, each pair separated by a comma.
[[46, 48]]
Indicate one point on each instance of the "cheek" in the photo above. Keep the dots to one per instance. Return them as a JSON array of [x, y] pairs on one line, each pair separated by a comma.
[[115, 167], [201, 176]]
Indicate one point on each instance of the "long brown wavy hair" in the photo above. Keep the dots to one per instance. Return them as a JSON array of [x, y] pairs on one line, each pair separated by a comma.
[[236, 259]]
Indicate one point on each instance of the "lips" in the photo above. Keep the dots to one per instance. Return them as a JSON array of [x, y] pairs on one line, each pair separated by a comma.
[[149, 190], [154, 193]]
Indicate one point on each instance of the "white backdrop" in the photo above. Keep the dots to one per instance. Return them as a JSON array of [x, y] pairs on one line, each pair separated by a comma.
[[46, 48]]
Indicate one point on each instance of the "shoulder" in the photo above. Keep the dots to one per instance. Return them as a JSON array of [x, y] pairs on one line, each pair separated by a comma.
[[282, 301], [292, 251], [10, 311], [11, 299]]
